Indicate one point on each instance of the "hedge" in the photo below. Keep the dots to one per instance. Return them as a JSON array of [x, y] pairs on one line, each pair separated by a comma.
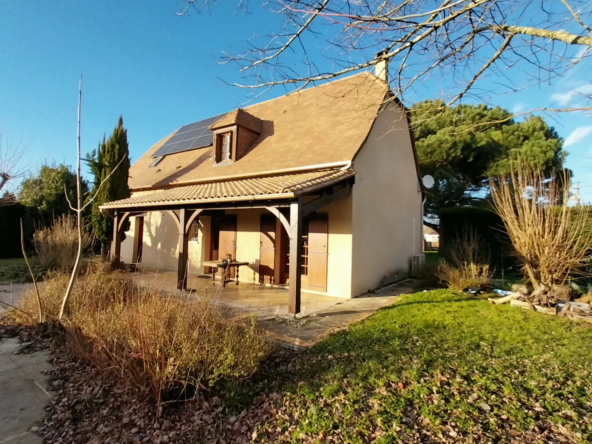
[[10, 231], [487, 224]]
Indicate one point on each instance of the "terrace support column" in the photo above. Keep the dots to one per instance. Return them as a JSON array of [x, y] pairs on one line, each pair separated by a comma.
[[183, 256], [116, 243], [295, 235]]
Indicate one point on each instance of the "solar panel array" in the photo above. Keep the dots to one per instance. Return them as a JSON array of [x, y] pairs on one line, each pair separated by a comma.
[[189, 137]]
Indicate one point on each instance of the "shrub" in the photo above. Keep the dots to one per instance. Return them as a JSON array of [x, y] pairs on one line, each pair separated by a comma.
[[552, 239], [467, 264], [428, 275], [56, 246], [166, 346], [487, 224]]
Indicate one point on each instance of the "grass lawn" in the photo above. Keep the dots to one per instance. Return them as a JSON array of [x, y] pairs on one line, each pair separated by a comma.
[[15, 271], [437, 367]]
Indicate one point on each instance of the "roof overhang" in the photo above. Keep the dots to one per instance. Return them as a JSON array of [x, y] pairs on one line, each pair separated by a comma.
[[257, 190]]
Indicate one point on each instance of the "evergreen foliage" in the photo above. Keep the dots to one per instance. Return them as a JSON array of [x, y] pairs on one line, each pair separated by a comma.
[[44, 196], [109, 154], [462, 146]]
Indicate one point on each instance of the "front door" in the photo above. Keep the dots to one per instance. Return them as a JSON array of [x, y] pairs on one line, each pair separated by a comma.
[[227, 239], [267, 249]]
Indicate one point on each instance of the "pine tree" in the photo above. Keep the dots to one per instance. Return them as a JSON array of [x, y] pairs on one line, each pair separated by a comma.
[[464, 145], [109, 154]]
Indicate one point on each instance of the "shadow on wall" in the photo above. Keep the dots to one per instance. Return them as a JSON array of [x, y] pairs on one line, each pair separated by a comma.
[[157, 232], [187, 168]]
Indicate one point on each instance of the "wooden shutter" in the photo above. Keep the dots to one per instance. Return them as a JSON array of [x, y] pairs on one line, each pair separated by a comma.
[[318, 240], [267, 249], [227, 240]]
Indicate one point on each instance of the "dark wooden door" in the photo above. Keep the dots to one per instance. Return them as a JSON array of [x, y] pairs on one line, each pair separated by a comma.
[[138, 239], [227, 240], [267, 249], [318, 239]]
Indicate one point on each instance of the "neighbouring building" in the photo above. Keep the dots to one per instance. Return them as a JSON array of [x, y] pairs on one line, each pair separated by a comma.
[[431, 239], [327, 175]]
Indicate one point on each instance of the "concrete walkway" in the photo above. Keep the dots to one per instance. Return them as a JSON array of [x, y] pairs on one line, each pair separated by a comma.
[[308, 331], [320, 315], [23, 393], [11, 294]]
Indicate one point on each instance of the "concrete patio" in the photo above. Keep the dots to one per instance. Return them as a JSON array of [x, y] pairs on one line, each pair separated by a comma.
[[321, 315], [23, 393]]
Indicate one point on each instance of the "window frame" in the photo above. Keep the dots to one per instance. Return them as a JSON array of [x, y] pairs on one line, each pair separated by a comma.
[[223, 136]]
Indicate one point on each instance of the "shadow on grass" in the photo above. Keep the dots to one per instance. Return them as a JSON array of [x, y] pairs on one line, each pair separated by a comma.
[[407, 350]]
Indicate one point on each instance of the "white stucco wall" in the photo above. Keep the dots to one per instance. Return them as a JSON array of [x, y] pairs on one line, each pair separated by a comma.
[[339, 248], [386, 206], [161, 238]]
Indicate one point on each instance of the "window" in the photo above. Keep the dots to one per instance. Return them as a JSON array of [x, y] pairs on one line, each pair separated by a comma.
[[226, 146]]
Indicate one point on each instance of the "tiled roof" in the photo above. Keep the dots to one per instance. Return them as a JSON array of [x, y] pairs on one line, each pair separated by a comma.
[[239, 117], [266, 187], [326, 124]]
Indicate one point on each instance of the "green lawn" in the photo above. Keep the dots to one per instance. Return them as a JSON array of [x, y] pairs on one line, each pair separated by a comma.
[[438, 367], [15, 271]]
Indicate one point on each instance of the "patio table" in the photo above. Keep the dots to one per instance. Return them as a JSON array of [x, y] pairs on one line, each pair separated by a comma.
[[225, 271]]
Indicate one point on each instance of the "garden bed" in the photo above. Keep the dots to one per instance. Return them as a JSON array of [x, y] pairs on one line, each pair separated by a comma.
[[437, 367]]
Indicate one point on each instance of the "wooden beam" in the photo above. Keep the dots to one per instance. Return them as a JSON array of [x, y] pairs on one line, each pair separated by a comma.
[[277, 213], [116, 242], [278, 203], [175, 218], [123, 218], [295, 234], [182, 258], [329, 196], [191, 219]]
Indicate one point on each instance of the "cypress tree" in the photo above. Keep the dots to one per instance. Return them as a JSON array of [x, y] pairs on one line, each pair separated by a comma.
[[102, 162]]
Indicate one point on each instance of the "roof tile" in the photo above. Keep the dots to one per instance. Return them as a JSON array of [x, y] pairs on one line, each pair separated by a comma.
[[281, 186]]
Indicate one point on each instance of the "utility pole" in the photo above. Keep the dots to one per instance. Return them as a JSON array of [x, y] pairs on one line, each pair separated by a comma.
[[577, 195]]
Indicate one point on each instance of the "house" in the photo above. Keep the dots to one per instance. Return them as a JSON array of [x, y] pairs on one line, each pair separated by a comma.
[[327, 174], [431, 239]]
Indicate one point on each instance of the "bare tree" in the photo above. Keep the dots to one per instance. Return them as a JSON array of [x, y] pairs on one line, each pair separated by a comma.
[[482, 48], [553, 240], [11, 167], [81, 205]]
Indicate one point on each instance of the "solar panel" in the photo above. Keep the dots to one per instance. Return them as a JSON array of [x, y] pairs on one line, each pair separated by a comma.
[[189, 137]]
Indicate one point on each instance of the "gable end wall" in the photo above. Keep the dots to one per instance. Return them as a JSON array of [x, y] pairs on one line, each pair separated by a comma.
[[386, 204]]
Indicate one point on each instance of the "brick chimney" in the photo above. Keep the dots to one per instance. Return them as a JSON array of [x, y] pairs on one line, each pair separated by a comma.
[[381, 67]]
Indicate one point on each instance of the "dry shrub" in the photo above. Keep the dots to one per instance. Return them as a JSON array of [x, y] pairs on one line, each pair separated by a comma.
[[467, 264], [56, 246], [167, 346], [551, 238]]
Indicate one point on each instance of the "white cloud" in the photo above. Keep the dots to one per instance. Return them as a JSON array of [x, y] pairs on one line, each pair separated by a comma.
[[583, 51], [581, 92], [577, 135], [518, 108]]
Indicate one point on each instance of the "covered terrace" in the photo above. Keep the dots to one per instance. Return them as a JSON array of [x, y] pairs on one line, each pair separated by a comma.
[[289, 197]]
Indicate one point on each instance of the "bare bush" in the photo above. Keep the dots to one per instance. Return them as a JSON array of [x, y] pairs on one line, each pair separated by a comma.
[[467, 264], [551, 238], [159, 344], [56, 246]]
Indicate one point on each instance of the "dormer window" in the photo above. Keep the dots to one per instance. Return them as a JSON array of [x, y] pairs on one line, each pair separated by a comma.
[[234, 134], [226, 144]]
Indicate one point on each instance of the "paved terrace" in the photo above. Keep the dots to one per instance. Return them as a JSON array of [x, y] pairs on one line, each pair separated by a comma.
[[320, 316]]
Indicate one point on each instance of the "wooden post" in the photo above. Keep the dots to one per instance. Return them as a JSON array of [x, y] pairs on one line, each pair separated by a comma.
[[182, 264], [295, 257], [116, 244]]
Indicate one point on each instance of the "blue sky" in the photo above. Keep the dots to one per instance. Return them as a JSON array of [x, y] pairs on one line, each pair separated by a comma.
[[161, 71]]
